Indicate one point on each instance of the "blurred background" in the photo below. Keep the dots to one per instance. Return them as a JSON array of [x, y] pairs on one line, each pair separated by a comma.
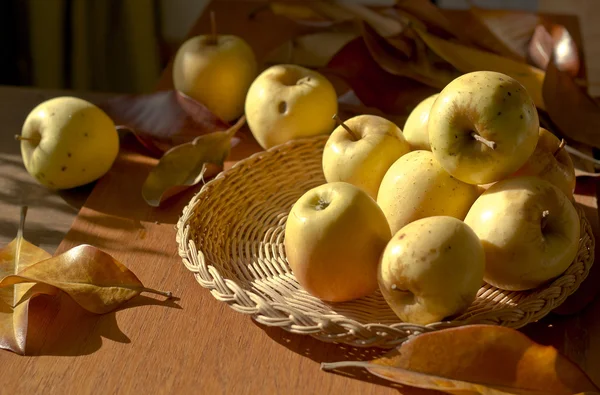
[[123, 45]]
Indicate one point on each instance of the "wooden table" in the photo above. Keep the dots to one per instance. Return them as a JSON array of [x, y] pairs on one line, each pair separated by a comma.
[[194, 344]]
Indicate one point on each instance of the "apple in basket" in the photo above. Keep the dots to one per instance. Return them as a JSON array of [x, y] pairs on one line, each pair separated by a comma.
[[415, 129], [483, 127], [529, 230], [551, 162], [432, 268], [416, 186], [361, 150], [287, 102], [334, 236]]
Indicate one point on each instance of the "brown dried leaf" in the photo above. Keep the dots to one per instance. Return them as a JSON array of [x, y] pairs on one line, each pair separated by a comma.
[[558, 44], [480, 359], [419, 67], [432, 17], [505, 32], [94, 279], [374, 86], [14, 300], [467, 59], [186, 165], [300, 13], [310, 50], [570, 108], [163, 119]]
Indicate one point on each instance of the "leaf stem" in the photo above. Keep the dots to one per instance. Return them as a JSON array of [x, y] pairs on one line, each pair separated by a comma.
[[342, 124], [483, 140], [154, 291]]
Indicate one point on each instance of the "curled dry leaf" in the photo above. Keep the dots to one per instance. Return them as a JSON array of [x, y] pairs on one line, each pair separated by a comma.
[[311, 50], [467, 59], [18, 255], [94, 279], [186, 165], [163, 119], [504, 32], [570, 108], [374, 86], [300, 13], [385, 26], [480, 359], [419, 67], [558, 44]]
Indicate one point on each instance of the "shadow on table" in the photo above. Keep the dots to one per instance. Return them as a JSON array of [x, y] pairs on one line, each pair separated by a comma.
[[60, 327], [319, 351]]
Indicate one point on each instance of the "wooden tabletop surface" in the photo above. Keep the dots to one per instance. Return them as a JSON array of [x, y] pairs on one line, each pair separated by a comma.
[[193, 344]]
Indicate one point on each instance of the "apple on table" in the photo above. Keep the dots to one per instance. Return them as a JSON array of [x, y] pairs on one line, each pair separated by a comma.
[[215, 70], [287, 102], [415, 129], [68, 142]]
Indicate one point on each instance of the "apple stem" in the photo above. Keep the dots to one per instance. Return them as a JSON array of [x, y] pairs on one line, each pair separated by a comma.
[[545, 215], [342, 124], [483, 140], [213, 28], [560, 146], [21, 138]]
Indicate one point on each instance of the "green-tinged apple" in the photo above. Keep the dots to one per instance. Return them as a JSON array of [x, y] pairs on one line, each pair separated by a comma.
[[217, 71], [483, 127], [361, 150], [67, 142], [431, 269], [551, 162], [415, 129], [287, 102], [334, 236], [416, 186], [529, 230]]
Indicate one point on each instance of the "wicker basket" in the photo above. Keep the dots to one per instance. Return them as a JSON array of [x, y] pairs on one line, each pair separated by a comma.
[[231, 237]]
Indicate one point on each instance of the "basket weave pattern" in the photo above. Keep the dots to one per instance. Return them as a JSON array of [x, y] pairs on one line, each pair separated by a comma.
[[231, 234]]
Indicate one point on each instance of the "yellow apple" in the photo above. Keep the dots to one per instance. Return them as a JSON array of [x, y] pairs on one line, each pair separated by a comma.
[[361, 150], [287, 102], [415, 129], [529, 230], [334, 236], [431, 269], [217, 71], [67, 142], [551, 162], [483, 127], [416, 186]]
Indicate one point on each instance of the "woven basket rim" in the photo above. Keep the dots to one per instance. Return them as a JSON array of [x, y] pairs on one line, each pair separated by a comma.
[[225, 289]]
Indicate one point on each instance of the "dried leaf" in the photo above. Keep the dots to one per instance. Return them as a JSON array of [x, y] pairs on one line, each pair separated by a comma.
[[570, 108], [163, 119], [480, 359], [505, 32], [94, 279], [467, 59], [14, 300], [311, 50], [374, 86], [185, 165], [385, 26], [419, 67], [558, 44], [433, 19], [300, 13]]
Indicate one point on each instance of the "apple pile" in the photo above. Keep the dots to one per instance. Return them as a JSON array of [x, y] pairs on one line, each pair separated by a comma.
[[472, 191]]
